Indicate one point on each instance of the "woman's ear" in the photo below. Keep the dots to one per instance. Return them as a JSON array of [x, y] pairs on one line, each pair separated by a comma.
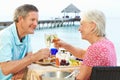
[[93, 26]]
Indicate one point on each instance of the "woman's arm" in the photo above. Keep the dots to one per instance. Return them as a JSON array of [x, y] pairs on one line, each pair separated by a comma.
[[85, 72], [77, 52], [74, 50]]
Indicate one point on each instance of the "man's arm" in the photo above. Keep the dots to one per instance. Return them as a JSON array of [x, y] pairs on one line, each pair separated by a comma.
[[15, 66]]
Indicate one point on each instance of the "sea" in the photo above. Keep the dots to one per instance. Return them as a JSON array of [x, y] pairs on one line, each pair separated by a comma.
[[71, 35]]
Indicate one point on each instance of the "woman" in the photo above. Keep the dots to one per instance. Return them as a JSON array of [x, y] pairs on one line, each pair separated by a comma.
[[101, 52]]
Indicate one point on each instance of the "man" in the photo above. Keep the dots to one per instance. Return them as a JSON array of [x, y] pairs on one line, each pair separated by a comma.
[[15, 48]]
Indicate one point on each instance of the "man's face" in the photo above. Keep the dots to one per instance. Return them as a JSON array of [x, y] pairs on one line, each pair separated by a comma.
[[29, 23]]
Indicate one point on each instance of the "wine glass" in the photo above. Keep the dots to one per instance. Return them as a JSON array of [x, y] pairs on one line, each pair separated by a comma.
[[49, 43], [47, 40]]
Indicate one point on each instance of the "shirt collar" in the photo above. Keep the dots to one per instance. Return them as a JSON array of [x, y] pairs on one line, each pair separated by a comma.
[[15, 35]]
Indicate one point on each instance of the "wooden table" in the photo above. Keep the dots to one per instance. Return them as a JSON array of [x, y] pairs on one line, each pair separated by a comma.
[[35, 70]]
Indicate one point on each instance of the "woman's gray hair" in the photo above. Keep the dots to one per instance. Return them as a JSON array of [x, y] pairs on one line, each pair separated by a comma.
[[98, 18], [23, 11]]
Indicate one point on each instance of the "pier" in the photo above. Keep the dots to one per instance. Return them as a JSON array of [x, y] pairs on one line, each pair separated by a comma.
[[7, 23], [49, 23], [57, 23]]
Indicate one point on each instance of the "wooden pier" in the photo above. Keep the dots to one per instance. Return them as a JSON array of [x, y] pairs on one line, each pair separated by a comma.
[[48, 23]]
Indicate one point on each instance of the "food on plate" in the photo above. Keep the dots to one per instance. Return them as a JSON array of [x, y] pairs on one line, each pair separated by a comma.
[[57, 62], [74, 62], [63, 62], [47, 61]]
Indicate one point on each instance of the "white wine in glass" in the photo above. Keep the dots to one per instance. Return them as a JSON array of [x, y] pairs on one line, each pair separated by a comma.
[[47, 40], [49, 43], [53, 36]]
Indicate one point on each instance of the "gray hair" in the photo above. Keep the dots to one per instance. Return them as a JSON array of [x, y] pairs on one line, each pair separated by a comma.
[[23, 11], [98, 18]]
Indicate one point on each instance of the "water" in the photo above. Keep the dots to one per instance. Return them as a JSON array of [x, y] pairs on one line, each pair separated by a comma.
[[69, 34]]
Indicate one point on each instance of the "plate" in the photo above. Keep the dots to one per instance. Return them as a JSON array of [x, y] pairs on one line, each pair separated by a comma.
[[44, 63], [63, 66], [48, 61]]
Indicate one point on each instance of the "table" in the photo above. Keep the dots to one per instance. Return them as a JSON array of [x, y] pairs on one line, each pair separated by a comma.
[[35, 70]]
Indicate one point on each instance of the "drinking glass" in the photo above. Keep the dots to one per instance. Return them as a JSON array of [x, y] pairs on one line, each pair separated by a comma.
[[49, 43], [47, 40]]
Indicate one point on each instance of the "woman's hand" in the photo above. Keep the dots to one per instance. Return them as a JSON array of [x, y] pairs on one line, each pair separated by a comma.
[[59, 43]]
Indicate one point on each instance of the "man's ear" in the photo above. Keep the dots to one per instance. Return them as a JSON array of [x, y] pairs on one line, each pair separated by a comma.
[[20, 18]]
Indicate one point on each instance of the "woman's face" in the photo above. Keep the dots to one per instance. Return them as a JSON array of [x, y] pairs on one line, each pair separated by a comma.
[[86, 29]]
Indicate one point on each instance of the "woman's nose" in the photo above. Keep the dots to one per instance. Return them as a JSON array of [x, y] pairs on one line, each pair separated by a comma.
[[79, 28]]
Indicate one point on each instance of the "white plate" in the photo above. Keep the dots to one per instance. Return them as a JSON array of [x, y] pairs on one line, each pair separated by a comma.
[[44, 63]]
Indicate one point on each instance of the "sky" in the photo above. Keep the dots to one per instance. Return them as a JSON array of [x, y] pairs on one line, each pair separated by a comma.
[[49, 9]]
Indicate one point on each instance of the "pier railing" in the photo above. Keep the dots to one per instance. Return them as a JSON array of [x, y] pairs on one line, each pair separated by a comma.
[[49, 23]]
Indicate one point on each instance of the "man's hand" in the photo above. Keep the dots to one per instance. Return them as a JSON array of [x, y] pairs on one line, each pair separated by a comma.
[[19, 75]]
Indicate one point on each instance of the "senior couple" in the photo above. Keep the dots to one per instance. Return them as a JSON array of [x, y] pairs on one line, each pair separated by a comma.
[[16, 53]]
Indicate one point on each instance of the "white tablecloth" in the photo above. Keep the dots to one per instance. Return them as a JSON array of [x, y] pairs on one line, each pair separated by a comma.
[[35, 70]]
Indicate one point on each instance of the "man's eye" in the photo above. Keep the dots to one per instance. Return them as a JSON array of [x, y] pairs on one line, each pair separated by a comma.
[[33, 19]]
